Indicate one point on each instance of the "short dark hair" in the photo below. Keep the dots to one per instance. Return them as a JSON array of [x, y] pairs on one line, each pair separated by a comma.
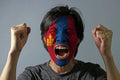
[[57, 11]]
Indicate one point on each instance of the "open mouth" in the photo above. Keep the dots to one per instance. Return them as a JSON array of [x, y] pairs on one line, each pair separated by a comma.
[[61, 52]]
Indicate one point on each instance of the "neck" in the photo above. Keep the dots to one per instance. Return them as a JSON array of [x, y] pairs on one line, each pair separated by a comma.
[[62, 69]]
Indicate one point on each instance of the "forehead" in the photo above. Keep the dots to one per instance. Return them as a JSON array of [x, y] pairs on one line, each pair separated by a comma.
[[63, 22]]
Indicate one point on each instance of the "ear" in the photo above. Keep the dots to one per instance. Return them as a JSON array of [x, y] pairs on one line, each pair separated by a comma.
[[78, 41], [44, 39]]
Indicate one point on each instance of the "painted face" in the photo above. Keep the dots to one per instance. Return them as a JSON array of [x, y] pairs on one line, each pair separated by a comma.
[[62, 40]]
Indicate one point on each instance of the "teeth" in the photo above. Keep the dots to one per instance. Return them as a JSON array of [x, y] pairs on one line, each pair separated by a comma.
[[61, 48]]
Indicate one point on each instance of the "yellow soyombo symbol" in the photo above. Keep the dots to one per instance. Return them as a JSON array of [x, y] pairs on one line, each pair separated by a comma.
[[50, 40]]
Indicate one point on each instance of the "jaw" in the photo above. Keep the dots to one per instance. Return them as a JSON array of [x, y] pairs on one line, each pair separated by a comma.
[[62, 69]]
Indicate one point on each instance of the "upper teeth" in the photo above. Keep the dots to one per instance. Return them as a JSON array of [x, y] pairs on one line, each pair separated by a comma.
[[61, 48]]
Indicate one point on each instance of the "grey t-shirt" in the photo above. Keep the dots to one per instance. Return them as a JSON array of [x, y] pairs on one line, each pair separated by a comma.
[[81, 71]]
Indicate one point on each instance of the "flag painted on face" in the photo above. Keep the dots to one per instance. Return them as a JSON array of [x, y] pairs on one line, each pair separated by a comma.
[[62, 32]]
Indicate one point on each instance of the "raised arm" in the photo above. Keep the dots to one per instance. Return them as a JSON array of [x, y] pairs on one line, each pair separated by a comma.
[[103, 40], [19, 36]]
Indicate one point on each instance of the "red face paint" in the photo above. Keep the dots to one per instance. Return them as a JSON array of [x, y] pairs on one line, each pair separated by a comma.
[[62, 40]]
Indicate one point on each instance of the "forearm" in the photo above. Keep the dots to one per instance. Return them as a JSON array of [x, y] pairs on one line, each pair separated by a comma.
[[9, 71], [19, 36], [112, 71]]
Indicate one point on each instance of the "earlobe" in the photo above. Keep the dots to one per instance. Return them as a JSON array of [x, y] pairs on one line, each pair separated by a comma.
[[44, 39], [78, 41]]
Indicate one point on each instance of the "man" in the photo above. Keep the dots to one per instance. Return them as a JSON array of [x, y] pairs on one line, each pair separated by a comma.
[[62, 31]]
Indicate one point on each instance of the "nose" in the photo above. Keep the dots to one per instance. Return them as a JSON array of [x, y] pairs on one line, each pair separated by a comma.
[[62, 37]]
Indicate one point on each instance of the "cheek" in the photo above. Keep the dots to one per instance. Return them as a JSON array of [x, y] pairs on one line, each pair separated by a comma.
[[73, 40], [50, 43], [50, 39]]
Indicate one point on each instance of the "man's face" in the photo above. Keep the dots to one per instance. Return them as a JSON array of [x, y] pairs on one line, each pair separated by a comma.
[[61, 40]]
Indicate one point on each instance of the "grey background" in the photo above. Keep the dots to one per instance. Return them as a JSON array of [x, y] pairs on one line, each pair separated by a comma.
[[13, 12]]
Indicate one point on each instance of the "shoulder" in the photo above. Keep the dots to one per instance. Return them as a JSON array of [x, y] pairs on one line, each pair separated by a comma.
[[88, 68], [31, 72], [37, 68], [87, 65]]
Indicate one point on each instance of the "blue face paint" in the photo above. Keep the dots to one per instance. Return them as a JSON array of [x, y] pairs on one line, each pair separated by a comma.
[[62, 36], [62, 62], [62, 29]]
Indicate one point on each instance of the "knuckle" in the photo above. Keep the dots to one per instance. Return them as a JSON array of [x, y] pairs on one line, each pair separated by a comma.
[[13, 28], [110, 32]]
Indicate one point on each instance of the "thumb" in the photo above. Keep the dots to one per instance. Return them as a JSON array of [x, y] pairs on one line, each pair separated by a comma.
[[28, 30]]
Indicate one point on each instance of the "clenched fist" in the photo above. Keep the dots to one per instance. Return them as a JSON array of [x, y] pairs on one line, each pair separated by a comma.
[[103, 39], [19, 36]]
